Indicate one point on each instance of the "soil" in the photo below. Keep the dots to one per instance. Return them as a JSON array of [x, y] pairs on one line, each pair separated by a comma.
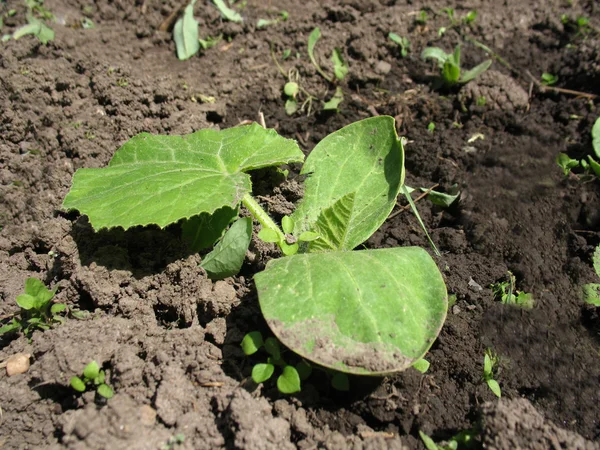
[[168, 337]]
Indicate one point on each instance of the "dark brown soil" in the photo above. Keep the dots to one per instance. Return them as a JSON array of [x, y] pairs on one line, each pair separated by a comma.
[[169, 338]]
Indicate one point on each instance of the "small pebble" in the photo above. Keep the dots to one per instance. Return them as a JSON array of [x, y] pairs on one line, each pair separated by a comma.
[[17, 363]]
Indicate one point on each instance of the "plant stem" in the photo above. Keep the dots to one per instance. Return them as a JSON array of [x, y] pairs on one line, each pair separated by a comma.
[[261, 215]]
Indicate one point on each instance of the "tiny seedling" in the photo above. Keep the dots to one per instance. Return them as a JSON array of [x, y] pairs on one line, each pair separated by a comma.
[[464, 439], [567, 164], [365, 312], [421, 18], [92, 377], [210, 42], [402, 42], [508, 295], [37, 16], [490, 364], [340, 67], [38, 312], [580, 25], [470, 17], [431, 127], [549, 79], [263, 23], [450, 69], [174, 442], [291, 377], [591, 291]]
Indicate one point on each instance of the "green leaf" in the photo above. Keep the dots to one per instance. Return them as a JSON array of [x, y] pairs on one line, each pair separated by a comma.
[[332, 225], [100, 378], [105, 391], [162, 179], [204, 230], [549, 79], [287, 223], [291, 106], [11, 327], [185, 34], [566, 163], [210, 42], [46, 34], [450, 73], [91, 371], [287, 249], [475, 71], [228, 255], [227, 12], [289, 381], [594, 165], [422, 365], [57, 308], [340, 382], [268, 235], [365, 158], [262, 372], [596, 260], [31, 28], [272, 348], [429, 443], [395, 38], [26, 301], [487, 366], [333, 103], [263, 23], [591, 294], [596, 137], [37, 289], [340, 66], [78, 384], [441, 199], [435, 53], [291, 89], [365, 312], [495, 387], [309, 236], [304, 370], [252, 342]]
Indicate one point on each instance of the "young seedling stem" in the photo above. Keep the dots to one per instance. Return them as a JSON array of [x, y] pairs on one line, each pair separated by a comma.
[[261, 215]]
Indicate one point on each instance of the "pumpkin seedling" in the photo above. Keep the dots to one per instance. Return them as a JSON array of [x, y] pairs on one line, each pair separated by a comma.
[[38, 312], [508, 295], [92, 377], [490, 363], [365, 312], [449, 64]]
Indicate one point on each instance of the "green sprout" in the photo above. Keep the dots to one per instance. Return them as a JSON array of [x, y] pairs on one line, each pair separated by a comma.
[[92, 376], [402, 42], [490, 363], [210, 42], [567, 164], [508, 295], [449, 65], [431, 127], [470, 17], [263, 23], [464, 439], [174, 441], [421, 18], [549, 79], [200, 181], [340, 66], [228, 13], [291, 377], [38, 312], [591, 291]]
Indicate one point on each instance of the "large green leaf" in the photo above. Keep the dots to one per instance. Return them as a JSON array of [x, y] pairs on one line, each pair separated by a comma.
[[162, 179], [365, 158], [368, 312]]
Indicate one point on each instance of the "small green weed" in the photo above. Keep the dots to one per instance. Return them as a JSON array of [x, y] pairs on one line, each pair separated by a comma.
[[402, 42], [174, 441], [38, 312], [591, 166], [92, 376], [464, 439], [490, 364], [549, 79], [591, 291], [449, 64], [508, 295]]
